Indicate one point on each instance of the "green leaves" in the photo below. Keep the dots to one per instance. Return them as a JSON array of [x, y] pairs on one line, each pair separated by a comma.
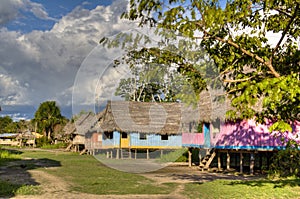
[[260, 71]]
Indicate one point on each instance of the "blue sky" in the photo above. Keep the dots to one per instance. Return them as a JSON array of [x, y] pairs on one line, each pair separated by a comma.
[[56, 9], [44, 43]]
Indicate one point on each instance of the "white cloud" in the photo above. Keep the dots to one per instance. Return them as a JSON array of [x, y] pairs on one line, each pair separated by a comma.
[[11, 9], [42, 65]]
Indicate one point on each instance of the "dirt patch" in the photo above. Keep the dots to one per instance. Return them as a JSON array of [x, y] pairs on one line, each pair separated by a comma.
[[185, 174], [33, 172]]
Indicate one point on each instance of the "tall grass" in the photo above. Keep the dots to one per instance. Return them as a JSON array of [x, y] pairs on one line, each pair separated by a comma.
[[7, 155]]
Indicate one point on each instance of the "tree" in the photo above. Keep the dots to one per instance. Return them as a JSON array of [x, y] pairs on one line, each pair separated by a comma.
[[149, 80], [236, 36], [5, 123], [46, 117]]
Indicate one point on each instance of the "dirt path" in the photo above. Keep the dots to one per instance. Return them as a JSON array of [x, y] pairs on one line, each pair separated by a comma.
[[55, 187]]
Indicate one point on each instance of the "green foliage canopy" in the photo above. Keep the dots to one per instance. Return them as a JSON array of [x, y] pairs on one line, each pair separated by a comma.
[[46, 117], [260, 78]]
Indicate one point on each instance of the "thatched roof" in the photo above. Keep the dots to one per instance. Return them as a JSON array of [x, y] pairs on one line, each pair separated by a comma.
[[143, 117], [85, 123]]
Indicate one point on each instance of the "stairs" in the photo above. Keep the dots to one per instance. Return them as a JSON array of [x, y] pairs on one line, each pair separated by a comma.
[[125, 154], [207, 159], [83, 151], [69, 147]]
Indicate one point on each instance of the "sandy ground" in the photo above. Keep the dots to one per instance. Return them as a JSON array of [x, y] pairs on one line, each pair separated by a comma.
[[55, 187]]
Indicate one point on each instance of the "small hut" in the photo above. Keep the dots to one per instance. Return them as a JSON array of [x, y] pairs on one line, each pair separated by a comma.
[[10, 139], [80, 130]]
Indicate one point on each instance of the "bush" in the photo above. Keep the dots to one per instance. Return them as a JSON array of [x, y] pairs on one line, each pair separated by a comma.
[[42, 141], [285, 163]]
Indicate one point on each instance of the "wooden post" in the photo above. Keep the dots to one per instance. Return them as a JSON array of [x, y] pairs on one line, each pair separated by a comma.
[[161, 153], [228, 161], [252, 163], [219, 161], [107, 154], [111, 154], [135, 153], [190, 157], [241, 162], [129, 152], [118, 154], [148, 154]]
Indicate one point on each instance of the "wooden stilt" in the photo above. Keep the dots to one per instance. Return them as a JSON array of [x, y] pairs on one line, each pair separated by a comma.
[[161, 153], [228, 161], [129, 153], [190, 157], [148, 154], [118, 154], [219, 161], [241, 162], [107, 154], [111, 154], [252, 163], [135, 153]]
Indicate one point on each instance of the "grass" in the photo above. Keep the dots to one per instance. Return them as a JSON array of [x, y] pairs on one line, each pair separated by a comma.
[[88, 175], [54, 146], [10, 189], [8, 155], [264, 189]]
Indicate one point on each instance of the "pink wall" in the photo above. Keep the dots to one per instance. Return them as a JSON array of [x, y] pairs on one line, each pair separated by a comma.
[[192, 139], [248, 134]]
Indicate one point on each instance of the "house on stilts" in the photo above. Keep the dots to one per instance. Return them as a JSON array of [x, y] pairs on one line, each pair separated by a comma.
[[127, 128], [242, 145]]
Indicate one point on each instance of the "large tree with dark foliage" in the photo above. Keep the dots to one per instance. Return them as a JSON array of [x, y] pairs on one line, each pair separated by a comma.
[[256, 68]]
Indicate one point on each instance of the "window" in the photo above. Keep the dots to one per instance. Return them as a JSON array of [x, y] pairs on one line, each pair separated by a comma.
[[143, 136], [164, 137], [124, 135], [108, 135]]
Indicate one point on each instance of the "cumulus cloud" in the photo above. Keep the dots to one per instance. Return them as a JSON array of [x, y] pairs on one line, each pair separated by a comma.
[[42, 65], [11, 9]]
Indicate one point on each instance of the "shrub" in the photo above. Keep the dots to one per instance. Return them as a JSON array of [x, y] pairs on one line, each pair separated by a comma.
[[285, 163]]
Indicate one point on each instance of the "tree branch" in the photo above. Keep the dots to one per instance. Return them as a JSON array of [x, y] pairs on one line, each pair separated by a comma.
[[230, 42], [237, 80], [284, 32]]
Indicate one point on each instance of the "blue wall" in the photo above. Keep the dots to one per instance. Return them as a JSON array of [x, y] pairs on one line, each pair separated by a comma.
[[154, 140], [115, 142]]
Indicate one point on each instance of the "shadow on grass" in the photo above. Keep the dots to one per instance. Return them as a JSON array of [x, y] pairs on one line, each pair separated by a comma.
[[276, 183], [15, 177]]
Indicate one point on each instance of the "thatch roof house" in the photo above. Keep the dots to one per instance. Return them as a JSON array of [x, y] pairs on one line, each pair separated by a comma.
[[141, 117], [79, 129]]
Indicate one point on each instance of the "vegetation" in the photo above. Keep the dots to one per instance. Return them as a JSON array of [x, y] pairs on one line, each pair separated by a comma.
[[263, 189], [8, 155], [285, 164], [9, 189], [47, 117], [260, 78], [87, 175], [7, 125]]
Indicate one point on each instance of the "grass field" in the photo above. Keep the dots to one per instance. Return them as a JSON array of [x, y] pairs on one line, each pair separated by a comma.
[[221, 189], [85, 174], [88, 175]]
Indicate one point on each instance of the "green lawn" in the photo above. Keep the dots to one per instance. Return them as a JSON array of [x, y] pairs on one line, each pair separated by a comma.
[[231, 189], [86, 174]]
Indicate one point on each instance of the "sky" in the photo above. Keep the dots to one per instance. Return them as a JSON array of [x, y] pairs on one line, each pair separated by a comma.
[[44, 44]]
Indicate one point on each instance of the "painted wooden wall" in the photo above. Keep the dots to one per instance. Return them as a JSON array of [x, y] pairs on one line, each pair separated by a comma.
[[111, 143], [193, 140], [245, 134], [154, 141]]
